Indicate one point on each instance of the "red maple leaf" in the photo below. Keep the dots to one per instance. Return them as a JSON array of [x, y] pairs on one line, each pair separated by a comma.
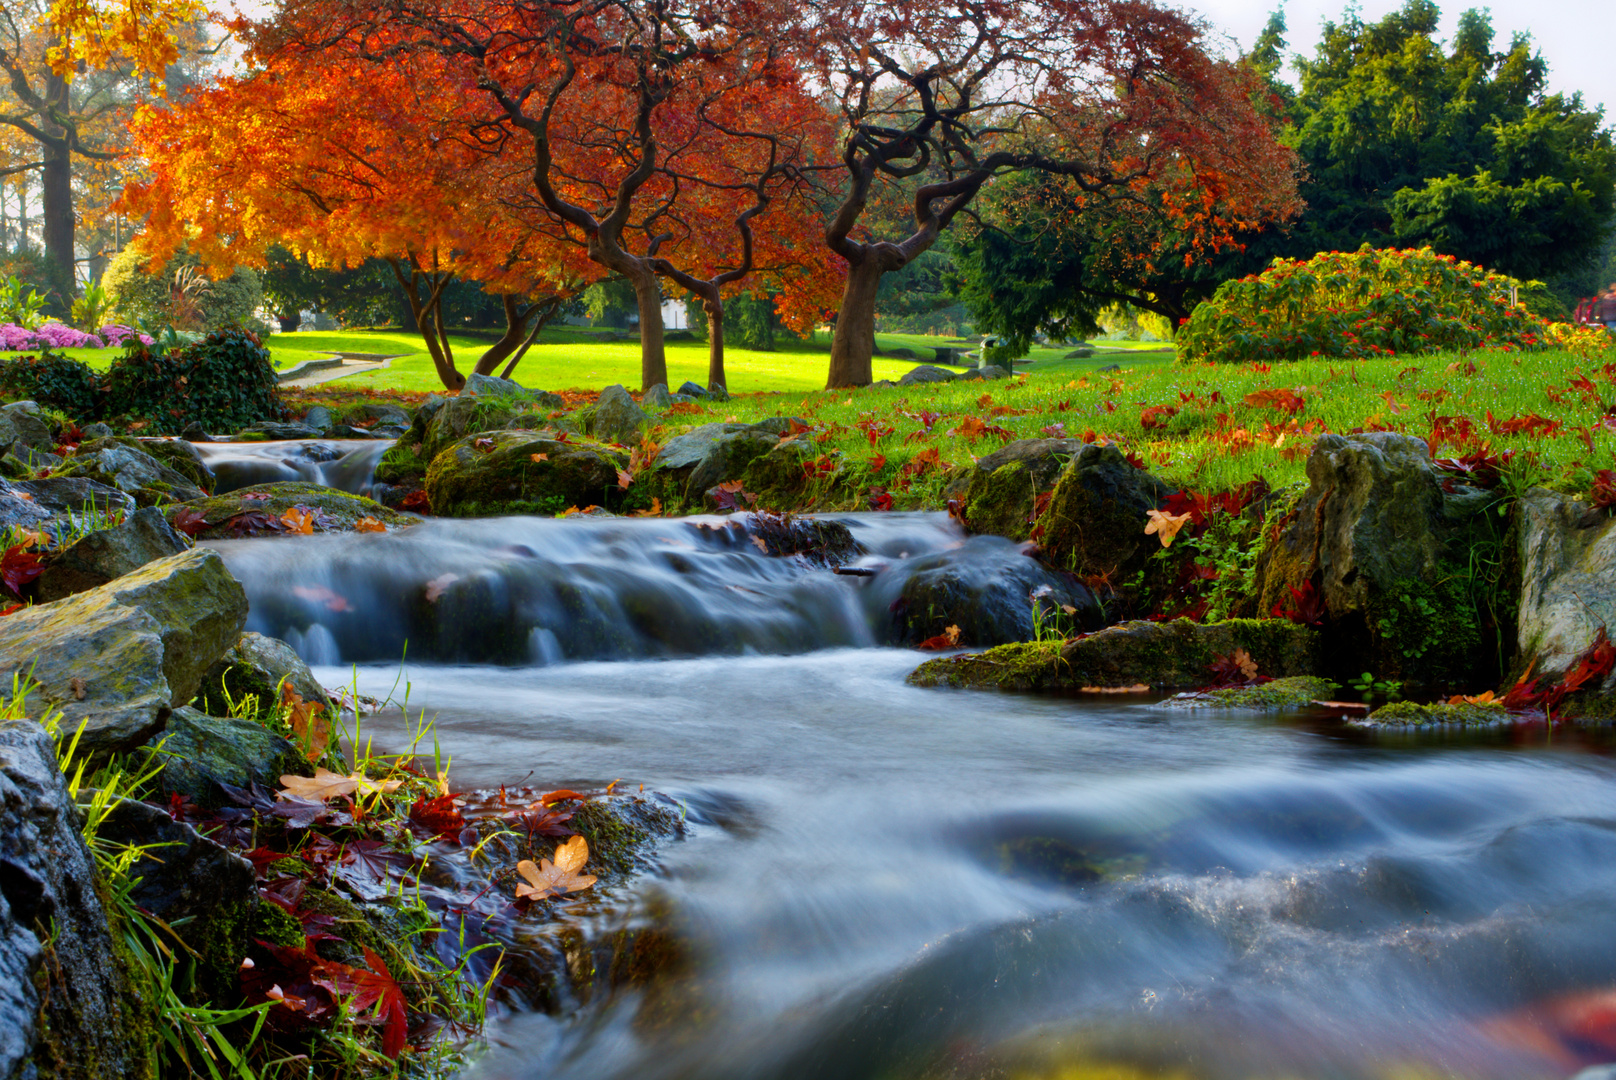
[[189, 520], [372, 990], [19, 566], [438, 817], [1308, 609]]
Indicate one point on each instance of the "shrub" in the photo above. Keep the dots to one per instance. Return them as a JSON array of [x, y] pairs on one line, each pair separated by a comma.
[[224, 382], [140, 296], [1355, 305], [55, 382]]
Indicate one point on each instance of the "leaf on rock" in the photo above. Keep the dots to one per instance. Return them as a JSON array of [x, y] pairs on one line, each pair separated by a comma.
[[299, 520], [948, 639], [308, 722], [325, 784], [189, 521], [18, 567], [1165, 526], [559, 877], [368, 524], [254, 523]]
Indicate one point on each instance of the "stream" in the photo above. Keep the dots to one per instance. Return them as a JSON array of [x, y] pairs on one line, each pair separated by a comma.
[[885, 882]]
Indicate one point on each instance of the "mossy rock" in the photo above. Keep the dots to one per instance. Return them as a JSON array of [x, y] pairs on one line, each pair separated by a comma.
[[779, 476], [128, 465], [200, 752], [522, 472], [335, 511], [1170, 655], [1001, 490], [1292, 692], [180, 456], [1415, 714], [255, 668], [402, 465], [463, 416], [1096, 517]]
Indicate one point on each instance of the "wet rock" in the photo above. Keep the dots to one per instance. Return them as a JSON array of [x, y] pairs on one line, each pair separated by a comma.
[[711, 454], [320, 419], [96, 430], [1095, 521], [1387, 544], [1567, 556], [204, 892], [657, 397], [256, 666], [199, 752], [1292, 692], [1000, 491], [132, 470], [985, 588], [276, 432], [109, 553], [617, 418], [926, 373], [120, 656], [80, 1013], [70, 495], [333, 510], [520, 472], [1415, 714], [691, 390], [182, 457], [1170, 655], [820, 541]]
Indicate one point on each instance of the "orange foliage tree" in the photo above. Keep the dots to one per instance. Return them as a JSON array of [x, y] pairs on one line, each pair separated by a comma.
[[636, 122], [1119, 97], [341, 162]]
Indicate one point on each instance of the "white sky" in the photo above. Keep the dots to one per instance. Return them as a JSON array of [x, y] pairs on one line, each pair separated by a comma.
[[1576, 37]]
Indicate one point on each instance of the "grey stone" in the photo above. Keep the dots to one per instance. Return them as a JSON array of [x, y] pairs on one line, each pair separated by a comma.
[[109, 553], [617, 418], [71, 495], [684, 451], [462, 416], [713, 453], [320, 419], [926, 373], [1082, 352], [386, 415], [23, 430], [256, 665], [1567, 556], [202, 891], [93, 1015], [132, 471], [97, 430], [992, 371], [901, 352], [276, 432], [657, 397], [717, 392], [184, 458], [780, 426], [691, 390], [200, 752], [119, 657], [493, 386]]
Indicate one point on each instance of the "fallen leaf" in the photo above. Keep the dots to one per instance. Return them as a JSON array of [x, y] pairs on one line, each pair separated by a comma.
[[624, 479], [538, 457], [438, 586], [370, 525], [325, 784], [1137, 688], [1165, 526], [318, 594], [559, 877], [308, 722]]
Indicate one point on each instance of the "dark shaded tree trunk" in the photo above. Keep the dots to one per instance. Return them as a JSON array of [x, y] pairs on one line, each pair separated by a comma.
[[853, 342]]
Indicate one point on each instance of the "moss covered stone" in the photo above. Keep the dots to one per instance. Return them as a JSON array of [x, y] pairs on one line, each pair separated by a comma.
[[1292, 692], [779, 476], [1096, 517], [128, 465], [334, 511], [1415, 714], [1001, 490], [522, 472], [200, 752], [1172, 655], [402, 465]]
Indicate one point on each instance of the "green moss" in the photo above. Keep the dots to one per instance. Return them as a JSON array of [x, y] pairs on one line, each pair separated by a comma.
[[1426, 633], [401, 465], [518, 471], [1030, 665], [1001, 502], [1410, 713], [1292, 692]]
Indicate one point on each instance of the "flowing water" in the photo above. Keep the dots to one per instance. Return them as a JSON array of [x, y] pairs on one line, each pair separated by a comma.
[[345, 464], [886, 882]]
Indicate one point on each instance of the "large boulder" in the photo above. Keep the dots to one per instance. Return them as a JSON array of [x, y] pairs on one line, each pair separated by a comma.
[[521, 472], [926, 373], [119, 657], [1000, 492], [617, 418], [1172, 655], [182, 457], [71, 1009], [130, 469], [206, 894], [256, 666], [23, 432], [200, 752], [988, 588], [461, 416], [106, 554], [331, 511], [73, 496], [1386, 542], [1567, 558], [1095, 521]]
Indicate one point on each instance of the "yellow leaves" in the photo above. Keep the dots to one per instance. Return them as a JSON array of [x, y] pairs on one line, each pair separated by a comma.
[[1244, 663], [143, 34], [325, 784], [298, 520], [1165, 526], [308, 722], [1487, 700], [370, 525], [559, 877]]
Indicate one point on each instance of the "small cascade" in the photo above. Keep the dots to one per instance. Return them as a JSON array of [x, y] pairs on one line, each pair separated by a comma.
[[345, 464], [535, 591]]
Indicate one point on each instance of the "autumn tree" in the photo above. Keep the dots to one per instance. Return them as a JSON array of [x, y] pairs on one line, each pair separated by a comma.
[[1117, 97], [610, 99], [340, 163], [62, 65]]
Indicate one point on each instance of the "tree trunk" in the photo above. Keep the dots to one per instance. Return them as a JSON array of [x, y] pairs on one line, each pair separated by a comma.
[[653, 357], [56, 180], [854, 339], [516, 321], [714, 307]]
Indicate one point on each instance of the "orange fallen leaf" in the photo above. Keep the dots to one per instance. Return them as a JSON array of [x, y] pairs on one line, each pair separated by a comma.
[[1242, 660], [559, 877], [656, 509], [624, 479], [308, 722], [538, 457], [298, 520], [369, 524], [1137, 688], [1165, 526], [325, 784]]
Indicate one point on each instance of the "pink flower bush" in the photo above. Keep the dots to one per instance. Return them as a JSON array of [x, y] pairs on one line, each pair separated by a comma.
[[53, 335]]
